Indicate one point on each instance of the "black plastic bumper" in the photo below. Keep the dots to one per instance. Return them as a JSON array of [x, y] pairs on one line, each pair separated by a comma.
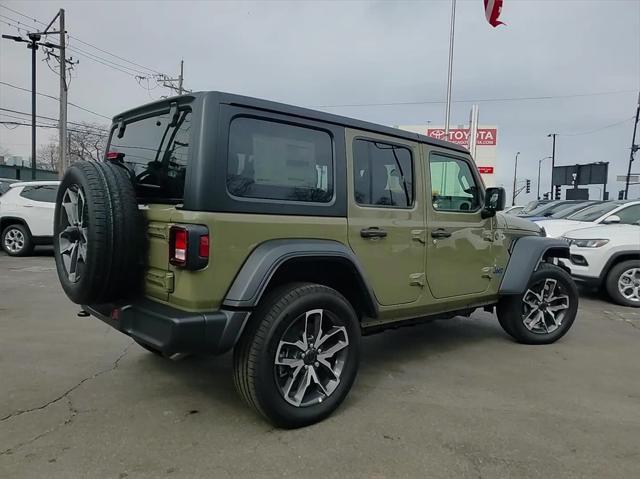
[[172, 330]]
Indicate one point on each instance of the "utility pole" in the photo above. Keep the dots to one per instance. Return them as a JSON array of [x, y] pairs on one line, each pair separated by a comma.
[[169, 82], [450, 75], [553, 156], [634, 148], [515, 172], [539, 165], [62, 130]]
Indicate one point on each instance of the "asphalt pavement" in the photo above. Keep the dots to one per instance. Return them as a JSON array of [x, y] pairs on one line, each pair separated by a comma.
[[455, 398]]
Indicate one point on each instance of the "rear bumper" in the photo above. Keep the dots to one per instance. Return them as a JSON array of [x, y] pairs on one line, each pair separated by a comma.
[[173, 330]]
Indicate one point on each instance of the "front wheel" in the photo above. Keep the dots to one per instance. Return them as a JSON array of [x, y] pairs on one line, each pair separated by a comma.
[[16, 240], [546, 310], [623, 283], [298, 357]]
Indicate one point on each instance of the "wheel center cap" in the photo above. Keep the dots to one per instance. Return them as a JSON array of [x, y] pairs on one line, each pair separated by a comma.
[[310, 356]]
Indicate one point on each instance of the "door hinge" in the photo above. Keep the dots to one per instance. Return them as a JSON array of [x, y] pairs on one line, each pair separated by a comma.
[[419, 236], [417, 279], [161, 279]]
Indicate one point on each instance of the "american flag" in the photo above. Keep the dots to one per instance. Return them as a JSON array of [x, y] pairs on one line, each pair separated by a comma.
[[492, 9]]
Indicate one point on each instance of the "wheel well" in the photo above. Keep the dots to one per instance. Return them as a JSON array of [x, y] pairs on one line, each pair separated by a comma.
[[555, 253], [337, 273], [7, 221], [617, 260]]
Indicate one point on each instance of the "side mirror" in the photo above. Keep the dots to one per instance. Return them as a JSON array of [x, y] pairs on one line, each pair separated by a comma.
[[494, 200], [611, 220]]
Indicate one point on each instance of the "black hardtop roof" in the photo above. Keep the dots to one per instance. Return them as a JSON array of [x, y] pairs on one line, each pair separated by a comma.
[[276, 107]]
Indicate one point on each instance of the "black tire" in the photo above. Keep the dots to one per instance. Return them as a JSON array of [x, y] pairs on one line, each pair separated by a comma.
[[112, 238], [612, 282], [16, 240], [513, 311], [255, 373]]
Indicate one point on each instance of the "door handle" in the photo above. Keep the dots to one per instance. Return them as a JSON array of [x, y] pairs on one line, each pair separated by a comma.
[[440, 233], [28, 206], [373, 232]]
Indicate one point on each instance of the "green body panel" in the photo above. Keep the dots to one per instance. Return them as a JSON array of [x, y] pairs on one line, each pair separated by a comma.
[[232, 238], [411, 274], [394, 265]]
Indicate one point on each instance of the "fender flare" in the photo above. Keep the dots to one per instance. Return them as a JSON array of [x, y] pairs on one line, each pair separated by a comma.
[[526, 255], [263, 262]]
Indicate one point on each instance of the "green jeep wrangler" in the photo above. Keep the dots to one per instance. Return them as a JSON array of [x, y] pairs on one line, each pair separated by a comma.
[[221, 222]]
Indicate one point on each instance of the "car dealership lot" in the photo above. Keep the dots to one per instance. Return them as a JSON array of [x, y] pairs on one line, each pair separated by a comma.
[[453, 398]]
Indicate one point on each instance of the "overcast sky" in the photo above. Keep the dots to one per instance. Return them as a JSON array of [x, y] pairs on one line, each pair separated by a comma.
[[318, 53]]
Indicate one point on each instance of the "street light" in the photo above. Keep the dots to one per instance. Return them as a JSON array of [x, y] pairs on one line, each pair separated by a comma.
[[553, 155], [515, 172], [539, 165]]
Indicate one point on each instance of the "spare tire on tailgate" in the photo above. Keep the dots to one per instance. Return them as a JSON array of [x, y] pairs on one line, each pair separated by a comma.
[[98, 234]]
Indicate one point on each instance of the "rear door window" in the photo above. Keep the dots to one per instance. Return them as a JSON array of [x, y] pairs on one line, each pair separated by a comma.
[[383, 174], [156, 152], [43, 193], [278, 161]]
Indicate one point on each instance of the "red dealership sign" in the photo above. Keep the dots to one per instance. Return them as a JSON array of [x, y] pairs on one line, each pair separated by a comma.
[[460, 136], [486, 170]]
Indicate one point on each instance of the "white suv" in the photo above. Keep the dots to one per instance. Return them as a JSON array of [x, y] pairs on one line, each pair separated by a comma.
[[26, 216], [608, 256], [609, 212]]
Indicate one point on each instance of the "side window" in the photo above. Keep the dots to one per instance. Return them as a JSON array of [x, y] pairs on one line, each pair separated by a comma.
[[453, 187], [277, 161], [45, 193], [382, 174], [629, 215]]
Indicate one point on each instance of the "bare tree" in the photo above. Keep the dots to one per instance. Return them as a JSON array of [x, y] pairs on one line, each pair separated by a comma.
[[47, 156], [87, 142]]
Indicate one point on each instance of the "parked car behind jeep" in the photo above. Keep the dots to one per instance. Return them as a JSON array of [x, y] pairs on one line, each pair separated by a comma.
[[224, 222]]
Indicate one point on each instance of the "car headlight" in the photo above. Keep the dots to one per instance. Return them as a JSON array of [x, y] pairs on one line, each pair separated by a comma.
[[587, 243]]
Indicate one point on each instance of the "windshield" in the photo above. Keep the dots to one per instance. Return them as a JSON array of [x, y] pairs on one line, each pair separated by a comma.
[[593, 212], [547, 208], [532, 205], [155, 151], [569, 210]]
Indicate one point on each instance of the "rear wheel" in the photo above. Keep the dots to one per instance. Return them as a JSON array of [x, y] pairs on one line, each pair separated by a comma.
[[546, 310], [298, 357], [16, 240], [623, 283]]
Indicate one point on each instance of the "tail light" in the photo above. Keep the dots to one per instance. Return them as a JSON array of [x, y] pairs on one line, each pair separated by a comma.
[[189, 246]]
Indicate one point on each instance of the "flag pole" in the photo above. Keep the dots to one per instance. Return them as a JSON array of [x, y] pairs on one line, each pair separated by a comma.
[[450, 77]]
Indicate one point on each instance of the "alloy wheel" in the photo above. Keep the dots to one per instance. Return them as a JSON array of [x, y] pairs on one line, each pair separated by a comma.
[[545, 306], [310, 358], [14, 240], [73, 232], [629, 284]]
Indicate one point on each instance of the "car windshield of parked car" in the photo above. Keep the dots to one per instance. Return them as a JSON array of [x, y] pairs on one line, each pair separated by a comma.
[[4, 187], [545, 209], [593, 212], [532, 205], [569, 210]]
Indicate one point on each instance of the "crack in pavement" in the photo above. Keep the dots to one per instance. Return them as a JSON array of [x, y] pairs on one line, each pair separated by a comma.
[[71, 389]]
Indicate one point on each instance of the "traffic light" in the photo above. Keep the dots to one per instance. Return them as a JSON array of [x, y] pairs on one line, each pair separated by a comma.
[[556, 192], [528, 187]]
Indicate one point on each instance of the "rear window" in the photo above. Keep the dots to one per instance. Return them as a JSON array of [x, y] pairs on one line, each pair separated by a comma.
[[277, 161], [44, 193], [156, 152]]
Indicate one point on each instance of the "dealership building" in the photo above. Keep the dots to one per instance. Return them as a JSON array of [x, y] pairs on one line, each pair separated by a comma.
[[486, 144]]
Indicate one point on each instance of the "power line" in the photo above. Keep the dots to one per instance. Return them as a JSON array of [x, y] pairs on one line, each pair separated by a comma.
[[482, 100], [55, 98], [588, 132], [85, 43], [72, 130], [54, 119]]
